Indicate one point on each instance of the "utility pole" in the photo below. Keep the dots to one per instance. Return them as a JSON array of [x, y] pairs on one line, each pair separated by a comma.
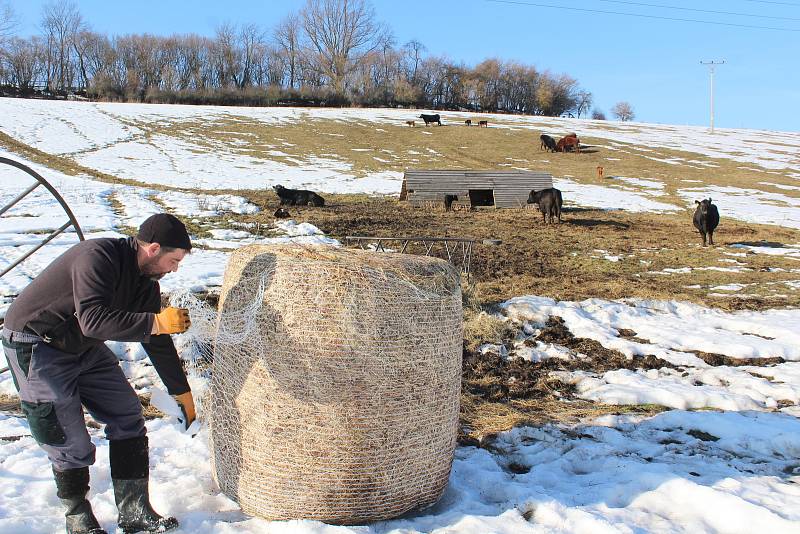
[[711, 64]]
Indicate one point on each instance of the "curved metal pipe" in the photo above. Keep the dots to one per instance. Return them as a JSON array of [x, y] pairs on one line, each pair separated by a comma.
[[49, 187], [40, 181]]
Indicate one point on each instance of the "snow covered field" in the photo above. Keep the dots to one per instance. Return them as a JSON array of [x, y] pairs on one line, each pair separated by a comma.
[[92, 128], [724, 458], [734, 469], [115, 138]]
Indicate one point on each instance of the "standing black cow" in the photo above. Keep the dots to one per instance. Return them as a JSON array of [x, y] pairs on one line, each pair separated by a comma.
[[448, 202], [431, 118], [706, 219], [548, 143], [298, 197], [549, 201]]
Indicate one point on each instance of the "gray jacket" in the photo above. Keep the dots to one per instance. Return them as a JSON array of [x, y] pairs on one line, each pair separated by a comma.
[[92, 293]]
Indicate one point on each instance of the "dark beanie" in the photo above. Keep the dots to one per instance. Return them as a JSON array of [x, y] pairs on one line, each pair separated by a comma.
[[166, 230]]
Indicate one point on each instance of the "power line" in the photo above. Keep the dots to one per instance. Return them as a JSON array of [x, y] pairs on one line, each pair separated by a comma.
[[792, 4], [662, 6], [638, 15]]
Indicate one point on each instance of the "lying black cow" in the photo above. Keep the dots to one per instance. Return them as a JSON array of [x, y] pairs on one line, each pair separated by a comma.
[[549, 202], [548, 143], [298, 197], [431, 118], [281, 213], [706, 219]]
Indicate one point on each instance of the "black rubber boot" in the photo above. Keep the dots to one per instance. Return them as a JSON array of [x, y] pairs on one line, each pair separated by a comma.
[[135, 512], [130, 474], [73, 486]]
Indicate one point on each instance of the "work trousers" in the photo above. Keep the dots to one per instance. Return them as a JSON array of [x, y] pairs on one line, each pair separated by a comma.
[[53, 387]]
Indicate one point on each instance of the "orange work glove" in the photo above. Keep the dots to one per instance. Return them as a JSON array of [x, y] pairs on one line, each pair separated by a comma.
[[171, 321], [186, 402]]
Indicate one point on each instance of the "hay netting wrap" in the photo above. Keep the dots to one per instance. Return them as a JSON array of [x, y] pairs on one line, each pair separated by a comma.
[[335, 397]]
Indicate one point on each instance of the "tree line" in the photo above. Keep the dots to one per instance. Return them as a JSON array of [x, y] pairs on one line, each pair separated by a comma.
[[329, 52]]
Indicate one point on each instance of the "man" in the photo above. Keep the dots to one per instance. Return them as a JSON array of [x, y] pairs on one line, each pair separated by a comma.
[[53, 339]]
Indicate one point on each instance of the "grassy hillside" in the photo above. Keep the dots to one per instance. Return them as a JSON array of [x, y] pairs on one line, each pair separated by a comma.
[[372, 147], [595, 253]]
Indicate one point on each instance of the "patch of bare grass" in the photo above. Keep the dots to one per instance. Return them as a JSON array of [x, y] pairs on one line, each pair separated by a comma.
[[10, 404], [481, 327], [63, 164], [482, 420], [557, 260], [372, 147]]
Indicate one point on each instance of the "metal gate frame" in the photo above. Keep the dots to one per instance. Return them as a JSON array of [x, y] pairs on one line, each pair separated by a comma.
[[451, 247], [39, 181]]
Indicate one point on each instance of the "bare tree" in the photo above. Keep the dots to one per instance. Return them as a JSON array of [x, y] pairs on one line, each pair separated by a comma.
[[22, 61], [623, 111], [598, 115], [413, 50], [486, 83], [584, 102], [329, 48], [87, 47], [518, 88], [544, 96], [61, 22], [288, 39], [8, 21], [269, 71], [386, 68], [341, 32], [143, 61], [192, 62], [226, 56], [251, 43]]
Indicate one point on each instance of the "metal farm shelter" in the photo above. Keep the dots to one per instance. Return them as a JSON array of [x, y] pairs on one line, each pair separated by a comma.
[[501, 189]]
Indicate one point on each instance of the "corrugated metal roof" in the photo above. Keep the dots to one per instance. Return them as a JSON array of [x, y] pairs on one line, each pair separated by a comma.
[[510, 188]]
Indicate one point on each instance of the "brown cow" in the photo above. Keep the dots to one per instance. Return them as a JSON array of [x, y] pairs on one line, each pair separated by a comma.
[[410, 123], [483, 123], [567, 143], [599, 171]]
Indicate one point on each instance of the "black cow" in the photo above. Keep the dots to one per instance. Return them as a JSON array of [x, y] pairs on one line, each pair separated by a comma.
[[448, 202], [706, 219], [431, 118], [298, 197], [281, 213], [548, 143], [549, 201]]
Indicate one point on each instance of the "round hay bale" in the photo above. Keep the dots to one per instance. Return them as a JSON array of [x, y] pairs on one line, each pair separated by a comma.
[[336, 382]]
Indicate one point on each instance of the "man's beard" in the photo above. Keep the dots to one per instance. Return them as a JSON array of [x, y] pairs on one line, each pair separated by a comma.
[[150, 272]]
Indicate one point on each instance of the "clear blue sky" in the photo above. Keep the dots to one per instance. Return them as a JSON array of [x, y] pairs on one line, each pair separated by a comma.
[[652, 63]]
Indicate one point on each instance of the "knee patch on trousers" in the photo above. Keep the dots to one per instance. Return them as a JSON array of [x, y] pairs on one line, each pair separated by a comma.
[[43, 422]]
